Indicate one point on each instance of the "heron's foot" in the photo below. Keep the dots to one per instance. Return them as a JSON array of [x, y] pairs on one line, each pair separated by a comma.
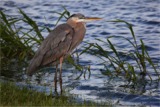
[[55, 94]]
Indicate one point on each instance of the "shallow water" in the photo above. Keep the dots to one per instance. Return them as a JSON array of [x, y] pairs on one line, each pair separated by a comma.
[[144, 15]]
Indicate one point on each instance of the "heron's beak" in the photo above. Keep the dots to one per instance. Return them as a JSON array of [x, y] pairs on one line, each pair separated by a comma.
[[89, 19]]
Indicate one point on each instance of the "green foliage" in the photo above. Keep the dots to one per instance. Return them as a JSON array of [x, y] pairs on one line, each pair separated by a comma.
[[18, 44], [14, 50], [118, 62], [12, 95]]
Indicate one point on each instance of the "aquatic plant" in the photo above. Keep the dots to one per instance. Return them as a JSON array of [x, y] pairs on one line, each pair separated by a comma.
[[118, 62], [14, 48], [18, 43], [18, 46]]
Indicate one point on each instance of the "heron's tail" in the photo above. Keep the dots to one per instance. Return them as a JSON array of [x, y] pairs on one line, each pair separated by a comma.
[[33, 67], [31, 70]]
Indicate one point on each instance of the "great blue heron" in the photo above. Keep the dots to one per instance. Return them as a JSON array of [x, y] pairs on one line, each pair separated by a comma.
[[59, 44]]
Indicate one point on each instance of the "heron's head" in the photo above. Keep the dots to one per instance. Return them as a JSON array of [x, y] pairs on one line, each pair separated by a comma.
[[76, 18]]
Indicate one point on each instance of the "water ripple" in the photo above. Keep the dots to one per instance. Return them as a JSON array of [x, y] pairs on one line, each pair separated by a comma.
[[143, 14]]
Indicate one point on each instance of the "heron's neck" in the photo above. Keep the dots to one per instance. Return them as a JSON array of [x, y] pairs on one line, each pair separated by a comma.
[[75, 25]]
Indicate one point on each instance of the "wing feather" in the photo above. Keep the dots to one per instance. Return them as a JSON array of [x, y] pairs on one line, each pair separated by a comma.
[[56, 45]]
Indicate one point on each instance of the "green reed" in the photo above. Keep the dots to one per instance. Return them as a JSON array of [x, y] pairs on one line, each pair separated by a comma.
[[14, 51], [18, 45], [115, 62]]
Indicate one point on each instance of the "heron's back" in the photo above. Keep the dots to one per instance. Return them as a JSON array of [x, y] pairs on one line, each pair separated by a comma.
[[55, 45], [59, 43]]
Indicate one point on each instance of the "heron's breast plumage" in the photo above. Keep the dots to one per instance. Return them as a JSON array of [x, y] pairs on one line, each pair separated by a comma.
[[79, 33]]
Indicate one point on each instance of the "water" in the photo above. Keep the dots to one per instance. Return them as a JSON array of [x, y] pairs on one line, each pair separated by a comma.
[[143, 14]]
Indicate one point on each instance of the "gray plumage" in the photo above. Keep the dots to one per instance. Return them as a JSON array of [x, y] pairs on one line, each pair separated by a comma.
[[60, 42]]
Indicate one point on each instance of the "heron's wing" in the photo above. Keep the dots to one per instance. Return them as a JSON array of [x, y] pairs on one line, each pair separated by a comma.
[[60, 48], [56, 44]]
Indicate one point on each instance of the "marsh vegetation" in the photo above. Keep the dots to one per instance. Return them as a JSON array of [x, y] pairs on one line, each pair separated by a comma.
[[18, 45]]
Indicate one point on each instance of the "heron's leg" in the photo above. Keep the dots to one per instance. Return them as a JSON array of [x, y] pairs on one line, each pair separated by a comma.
[[60, 74], [55, 78]]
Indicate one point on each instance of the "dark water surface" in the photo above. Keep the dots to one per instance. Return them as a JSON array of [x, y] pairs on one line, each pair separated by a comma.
[[143, 14]]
